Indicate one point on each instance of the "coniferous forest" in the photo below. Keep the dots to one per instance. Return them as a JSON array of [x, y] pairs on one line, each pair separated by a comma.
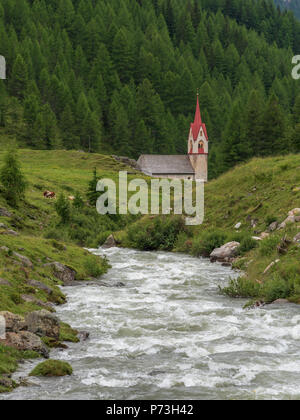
[[121, 76]]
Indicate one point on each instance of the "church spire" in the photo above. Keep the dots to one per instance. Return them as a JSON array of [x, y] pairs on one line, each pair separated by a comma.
[[197, 124], [198, 120]]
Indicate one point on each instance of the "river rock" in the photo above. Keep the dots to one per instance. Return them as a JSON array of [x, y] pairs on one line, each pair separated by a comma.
[[9, 232], [6, 382], [25, 340], [280, 302], [4, 282], [44, 324], [297, 238], [65, 274], [13, 322], [264, 235], [83, 335], [294, 212], [24, 260], [5, 213], [110, 242], [290, 219], [273, 226], [225, 252], [35, 301], [41, 286]]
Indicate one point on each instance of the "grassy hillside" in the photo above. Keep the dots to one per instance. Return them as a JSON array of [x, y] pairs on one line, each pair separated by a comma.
[[58, 171]]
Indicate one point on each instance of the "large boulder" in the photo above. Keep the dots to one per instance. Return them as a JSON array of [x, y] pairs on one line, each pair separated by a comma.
[[4, 282], [43, 323], [225, 252], [35, 301], [24, 260], [13, 322], [25, 340], [294, 212], [39, 285], [110, 242], [9, 232], [5, 213], [65, 274], [288, 220]]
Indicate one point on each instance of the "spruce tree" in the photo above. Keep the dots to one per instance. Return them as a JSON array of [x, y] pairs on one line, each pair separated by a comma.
[[12, 179]]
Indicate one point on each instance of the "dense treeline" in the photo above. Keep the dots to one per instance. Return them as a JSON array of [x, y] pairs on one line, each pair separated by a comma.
[[121, 76], [293, 5]]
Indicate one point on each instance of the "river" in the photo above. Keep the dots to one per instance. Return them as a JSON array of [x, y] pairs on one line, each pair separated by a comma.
[[170, 334]]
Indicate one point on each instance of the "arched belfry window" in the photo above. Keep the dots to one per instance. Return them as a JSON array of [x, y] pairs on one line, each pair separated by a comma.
[[201, 147]]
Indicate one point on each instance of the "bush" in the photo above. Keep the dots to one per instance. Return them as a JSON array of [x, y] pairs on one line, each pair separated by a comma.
[[13, 181], [247, 244], [93, 267], [276, 288], [183, 243], [268, 245], [156, 234], [205, 244], [242, 287], [62, 207]]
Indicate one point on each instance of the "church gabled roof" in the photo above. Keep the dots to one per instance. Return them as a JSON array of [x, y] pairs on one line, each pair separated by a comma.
[[166, 165], [198, 124]]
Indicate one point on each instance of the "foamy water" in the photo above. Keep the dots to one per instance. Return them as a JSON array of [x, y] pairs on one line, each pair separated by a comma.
[[169, 334]]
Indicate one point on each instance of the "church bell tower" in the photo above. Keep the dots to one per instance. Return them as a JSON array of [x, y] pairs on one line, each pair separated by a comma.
[[198, 145]]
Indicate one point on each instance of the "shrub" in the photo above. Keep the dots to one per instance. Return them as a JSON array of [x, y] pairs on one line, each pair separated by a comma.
[[13, 181], [268, 245], [62, 207], [205, 244], [93, 267], [183, 243], [92, 194], [247, 244], [52, 368], [276, 288], [242, 287], [159, 233], [78, 202]]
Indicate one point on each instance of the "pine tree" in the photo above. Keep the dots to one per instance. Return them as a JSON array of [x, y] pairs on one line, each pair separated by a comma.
[[12, 179], [92, 194], [63, 209], [19, 77], [273, 129]]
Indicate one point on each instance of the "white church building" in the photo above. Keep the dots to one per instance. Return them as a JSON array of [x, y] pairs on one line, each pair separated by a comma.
[[193, 165]]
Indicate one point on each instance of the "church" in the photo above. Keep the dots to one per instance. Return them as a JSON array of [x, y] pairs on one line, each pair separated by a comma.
[[193, 165]]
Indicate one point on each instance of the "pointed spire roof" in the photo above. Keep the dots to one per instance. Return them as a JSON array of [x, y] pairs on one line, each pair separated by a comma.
[[197, 124]]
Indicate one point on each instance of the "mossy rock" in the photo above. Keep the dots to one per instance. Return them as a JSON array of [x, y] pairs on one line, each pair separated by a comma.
[[68, 333], [52, 368]]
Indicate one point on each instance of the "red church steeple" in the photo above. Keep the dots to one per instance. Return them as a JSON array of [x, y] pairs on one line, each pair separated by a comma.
[[197, 124], [198, 139]]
